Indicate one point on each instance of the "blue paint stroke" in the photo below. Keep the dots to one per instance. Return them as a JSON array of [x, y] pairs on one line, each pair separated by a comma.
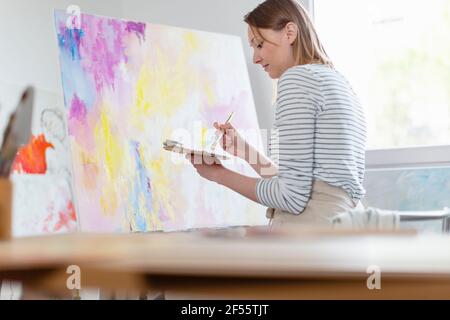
[[74, 79], [141, 185], [70, 39]]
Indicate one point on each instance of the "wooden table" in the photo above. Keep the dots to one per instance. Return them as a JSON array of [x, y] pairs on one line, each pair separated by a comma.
[[241, 263]]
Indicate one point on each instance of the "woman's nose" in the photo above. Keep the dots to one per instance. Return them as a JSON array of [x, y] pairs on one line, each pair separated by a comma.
[[256, 58]]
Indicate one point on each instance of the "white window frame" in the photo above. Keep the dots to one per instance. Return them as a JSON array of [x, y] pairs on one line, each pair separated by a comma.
[[406, 157]]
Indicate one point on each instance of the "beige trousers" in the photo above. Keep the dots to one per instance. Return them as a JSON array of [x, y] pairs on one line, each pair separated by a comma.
[[325, 202]]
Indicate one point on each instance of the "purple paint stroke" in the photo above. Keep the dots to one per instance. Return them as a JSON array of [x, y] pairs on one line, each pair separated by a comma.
[[137, 27], [77, 109], [117, 29], [101, 46], [221, 111], [103, 50]]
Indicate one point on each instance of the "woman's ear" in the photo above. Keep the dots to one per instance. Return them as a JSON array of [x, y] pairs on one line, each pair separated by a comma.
[[291, 32]]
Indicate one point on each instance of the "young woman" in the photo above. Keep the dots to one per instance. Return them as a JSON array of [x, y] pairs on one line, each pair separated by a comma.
[[319, 132]]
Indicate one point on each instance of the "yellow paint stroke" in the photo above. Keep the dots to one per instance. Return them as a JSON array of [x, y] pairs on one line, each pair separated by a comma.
[[111, 155], [165, 82], [162, 190], [161, 88], [204, 136], [192, 44], [142, 102], [191, 41], [210, 96], [108, 199], [108, 146]]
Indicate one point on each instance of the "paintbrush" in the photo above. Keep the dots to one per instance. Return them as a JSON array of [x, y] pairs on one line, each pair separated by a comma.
[[17, 132], [213, 146]]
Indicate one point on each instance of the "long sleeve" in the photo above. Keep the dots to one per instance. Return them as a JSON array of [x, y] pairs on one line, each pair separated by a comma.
[[292, 142]]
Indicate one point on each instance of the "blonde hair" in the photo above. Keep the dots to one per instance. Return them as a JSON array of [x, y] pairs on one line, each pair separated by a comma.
[[276, 14]]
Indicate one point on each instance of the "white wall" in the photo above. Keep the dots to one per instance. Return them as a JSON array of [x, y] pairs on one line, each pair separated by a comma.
[[29, 50], [28, 47]]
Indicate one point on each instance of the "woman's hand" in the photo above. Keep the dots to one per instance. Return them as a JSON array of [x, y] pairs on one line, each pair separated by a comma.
[[231, 141], [208, 168], [214, 171]]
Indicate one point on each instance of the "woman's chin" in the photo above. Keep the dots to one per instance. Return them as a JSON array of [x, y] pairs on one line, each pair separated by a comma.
[[273, 75]]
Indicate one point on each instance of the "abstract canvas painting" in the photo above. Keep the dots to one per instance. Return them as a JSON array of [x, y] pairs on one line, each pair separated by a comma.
[[129, 86]]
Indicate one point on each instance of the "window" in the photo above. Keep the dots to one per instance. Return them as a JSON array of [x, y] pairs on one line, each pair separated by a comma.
[[396, 55]]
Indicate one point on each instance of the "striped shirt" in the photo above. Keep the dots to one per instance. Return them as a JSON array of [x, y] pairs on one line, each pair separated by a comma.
[[319, 133]]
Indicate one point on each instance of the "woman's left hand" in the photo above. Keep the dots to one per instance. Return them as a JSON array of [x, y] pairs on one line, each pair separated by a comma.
[[208, 168]]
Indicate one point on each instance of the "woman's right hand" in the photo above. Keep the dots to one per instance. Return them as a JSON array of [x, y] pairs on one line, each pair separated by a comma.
[[231, 141]]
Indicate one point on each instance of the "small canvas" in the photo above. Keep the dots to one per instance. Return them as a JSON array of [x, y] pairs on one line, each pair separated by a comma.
[[41, 174]]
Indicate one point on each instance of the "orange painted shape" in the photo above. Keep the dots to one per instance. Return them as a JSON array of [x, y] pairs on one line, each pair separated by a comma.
[[31, 158]]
